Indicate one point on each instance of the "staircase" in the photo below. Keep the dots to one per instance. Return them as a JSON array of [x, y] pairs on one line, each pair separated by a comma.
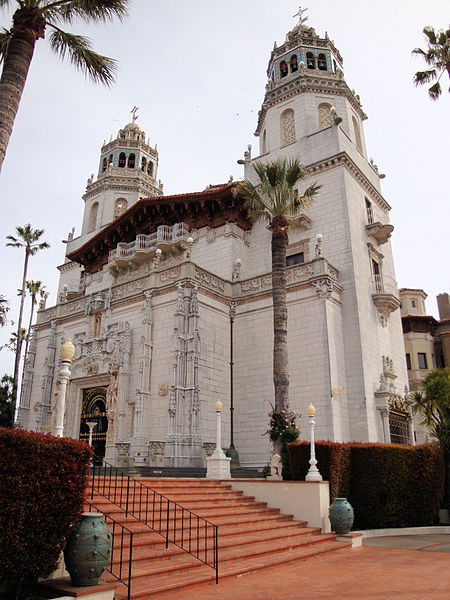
[[251, 536]]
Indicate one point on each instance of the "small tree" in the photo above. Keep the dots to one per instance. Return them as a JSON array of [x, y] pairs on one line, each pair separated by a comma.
[[437, 56], [6, 402], [432, 401]]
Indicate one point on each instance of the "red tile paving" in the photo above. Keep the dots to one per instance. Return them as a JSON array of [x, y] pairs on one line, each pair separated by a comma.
[[365, 573]]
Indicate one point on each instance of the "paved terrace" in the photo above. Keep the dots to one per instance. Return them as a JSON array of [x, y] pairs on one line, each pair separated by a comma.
[[412, 567]]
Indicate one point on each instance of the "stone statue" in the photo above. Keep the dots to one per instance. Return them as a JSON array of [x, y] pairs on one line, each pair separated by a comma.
[[275, 467], [111, 400]]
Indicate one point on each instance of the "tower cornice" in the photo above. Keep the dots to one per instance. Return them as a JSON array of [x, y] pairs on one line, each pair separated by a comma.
[[119, 179], [306, 82]]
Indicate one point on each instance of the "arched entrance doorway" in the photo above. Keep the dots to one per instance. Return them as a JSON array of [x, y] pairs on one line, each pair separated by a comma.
[[94, 411]]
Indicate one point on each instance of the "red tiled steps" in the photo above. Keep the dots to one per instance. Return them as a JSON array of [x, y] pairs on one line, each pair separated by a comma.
[[251, 536]]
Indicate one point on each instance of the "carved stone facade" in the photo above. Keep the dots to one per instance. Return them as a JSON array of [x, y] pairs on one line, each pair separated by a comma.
[[156, 333]]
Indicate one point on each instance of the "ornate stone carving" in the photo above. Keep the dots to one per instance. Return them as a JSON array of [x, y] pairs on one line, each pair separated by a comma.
[[323, 287], [98, 301], [209, 448], [163, 389], [209, 281], [170, 275]]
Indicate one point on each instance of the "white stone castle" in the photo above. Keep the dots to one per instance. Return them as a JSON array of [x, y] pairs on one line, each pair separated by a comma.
[[168, 298]]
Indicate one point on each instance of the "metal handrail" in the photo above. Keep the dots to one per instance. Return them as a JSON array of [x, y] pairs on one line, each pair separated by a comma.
[[124, 578], [158, 512]]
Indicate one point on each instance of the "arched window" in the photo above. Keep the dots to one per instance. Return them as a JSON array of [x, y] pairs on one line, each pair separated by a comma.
[[283, 68], [150, 168], [104, 165], [120, 206], [110, 159], [143, 164], [322, 62], [93, 216], [325, 118], [287, 127], [294, 63], [357, 134], [122, 160], [131, 160], [310, 60]]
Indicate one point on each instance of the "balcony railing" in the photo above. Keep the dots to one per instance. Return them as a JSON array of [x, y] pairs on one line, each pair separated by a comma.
[[147, 243], [384, 285]]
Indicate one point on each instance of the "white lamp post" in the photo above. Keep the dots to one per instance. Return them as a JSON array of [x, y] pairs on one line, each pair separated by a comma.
[[218, 465], [91, 425], [67, 352], [313, 473]]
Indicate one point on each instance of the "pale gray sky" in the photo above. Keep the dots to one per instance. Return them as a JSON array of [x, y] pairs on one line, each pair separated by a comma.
[[197, 70]]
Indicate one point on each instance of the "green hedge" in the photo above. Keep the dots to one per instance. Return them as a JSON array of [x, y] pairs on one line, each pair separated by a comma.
[[42, 486], [388, 485]]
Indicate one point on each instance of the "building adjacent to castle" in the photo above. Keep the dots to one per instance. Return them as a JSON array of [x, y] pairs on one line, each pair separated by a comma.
[[168, 298]]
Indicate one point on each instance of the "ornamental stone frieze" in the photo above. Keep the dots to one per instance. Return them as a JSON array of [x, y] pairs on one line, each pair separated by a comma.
[[98, 301], [323, 287]]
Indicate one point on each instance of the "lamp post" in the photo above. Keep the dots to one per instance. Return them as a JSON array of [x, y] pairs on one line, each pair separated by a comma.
[[67, 352], [218, 465], [91, 425], [313, 473]]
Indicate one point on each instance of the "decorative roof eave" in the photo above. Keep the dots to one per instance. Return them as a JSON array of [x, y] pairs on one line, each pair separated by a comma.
[[305, 84], [212, 207], [342, 158]]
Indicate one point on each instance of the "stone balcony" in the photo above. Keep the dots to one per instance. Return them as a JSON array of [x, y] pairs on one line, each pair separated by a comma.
[[385, 296], [379, 232], [170, 240]]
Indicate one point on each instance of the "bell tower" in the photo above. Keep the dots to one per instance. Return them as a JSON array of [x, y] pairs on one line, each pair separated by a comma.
[[127, 171]]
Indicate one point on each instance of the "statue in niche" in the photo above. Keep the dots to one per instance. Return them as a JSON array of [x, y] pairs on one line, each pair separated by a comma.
[[111, 400], [97, 324]]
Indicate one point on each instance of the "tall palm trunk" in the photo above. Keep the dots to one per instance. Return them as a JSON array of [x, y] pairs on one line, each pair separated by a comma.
[[27, 341], [28, 27], [19, 329], [280, 354]]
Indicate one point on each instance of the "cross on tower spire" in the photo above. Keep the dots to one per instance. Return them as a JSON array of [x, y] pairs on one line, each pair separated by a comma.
[[299, 14], [133, 112]]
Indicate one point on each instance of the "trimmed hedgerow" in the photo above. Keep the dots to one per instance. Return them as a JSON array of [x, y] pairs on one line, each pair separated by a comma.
[[388, 485], [42, 486], [333, 460]]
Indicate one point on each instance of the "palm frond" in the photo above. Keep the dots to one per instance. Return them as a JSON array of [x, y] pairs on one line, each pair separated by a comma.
[[430, 33], [68, 11], [4, 3], [435, 91], [5, 36], [422, 77], [79, 51]]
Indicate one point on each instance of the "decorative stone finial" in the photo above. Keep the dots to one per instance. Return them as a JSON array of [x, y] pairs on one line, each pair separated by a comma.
[[67, 351]]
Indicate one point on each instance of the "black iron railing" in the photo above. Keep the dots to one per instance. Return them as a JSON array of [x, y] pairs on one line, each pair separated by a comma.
[[120, 562], [176, 524]]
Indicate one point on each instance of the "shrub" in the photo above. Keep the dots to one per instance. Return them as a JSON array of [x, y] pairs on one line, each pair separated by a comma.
[[282, 426], [388, 485], [42, 486], [333, 460]]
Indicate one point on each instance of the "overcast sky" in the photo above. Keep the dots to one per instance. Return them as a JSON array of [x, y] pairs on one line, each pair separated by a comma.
[[197, 70]]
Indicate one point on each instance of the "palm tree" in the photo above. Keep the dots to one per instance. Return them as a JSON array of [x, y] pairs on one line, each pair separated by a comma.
[[275, 198], [437, 57], [432, 401], [33, 288], [4, 308], [30, 22], [28, 239]]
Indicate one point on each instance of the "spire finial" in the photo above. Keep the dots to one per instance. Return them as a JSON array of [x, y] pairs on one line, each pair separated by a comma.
[[299, 14], [133, 112]]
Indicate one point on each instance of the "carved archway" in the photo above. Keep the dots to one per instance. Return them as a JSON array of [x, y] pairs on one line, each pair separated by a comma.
[[93, 409]]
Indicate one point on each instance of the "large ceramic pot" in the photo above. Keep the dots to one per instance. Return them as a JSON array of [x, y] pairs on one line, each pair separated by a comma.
[[341, 516], [88, 549]]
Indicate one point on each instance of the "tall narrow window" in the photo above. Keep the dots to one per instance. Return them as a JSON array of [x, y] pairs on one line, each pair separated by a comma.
[[143, 164], [369, 211], [325, 118], [122, 160], [283, 68], [131, 161], [422, 360], [150, 168], [287, 127], [120, 206], [110, 159], [322, 62], [104, 165], [93, 216], [310, 60], [294, 63], [357, 134], [264, 143], [408, 362]]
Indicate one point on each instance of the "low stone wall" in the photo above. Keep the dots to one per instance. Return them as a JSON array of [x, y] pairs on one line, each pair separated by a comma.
[[305, 500]]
